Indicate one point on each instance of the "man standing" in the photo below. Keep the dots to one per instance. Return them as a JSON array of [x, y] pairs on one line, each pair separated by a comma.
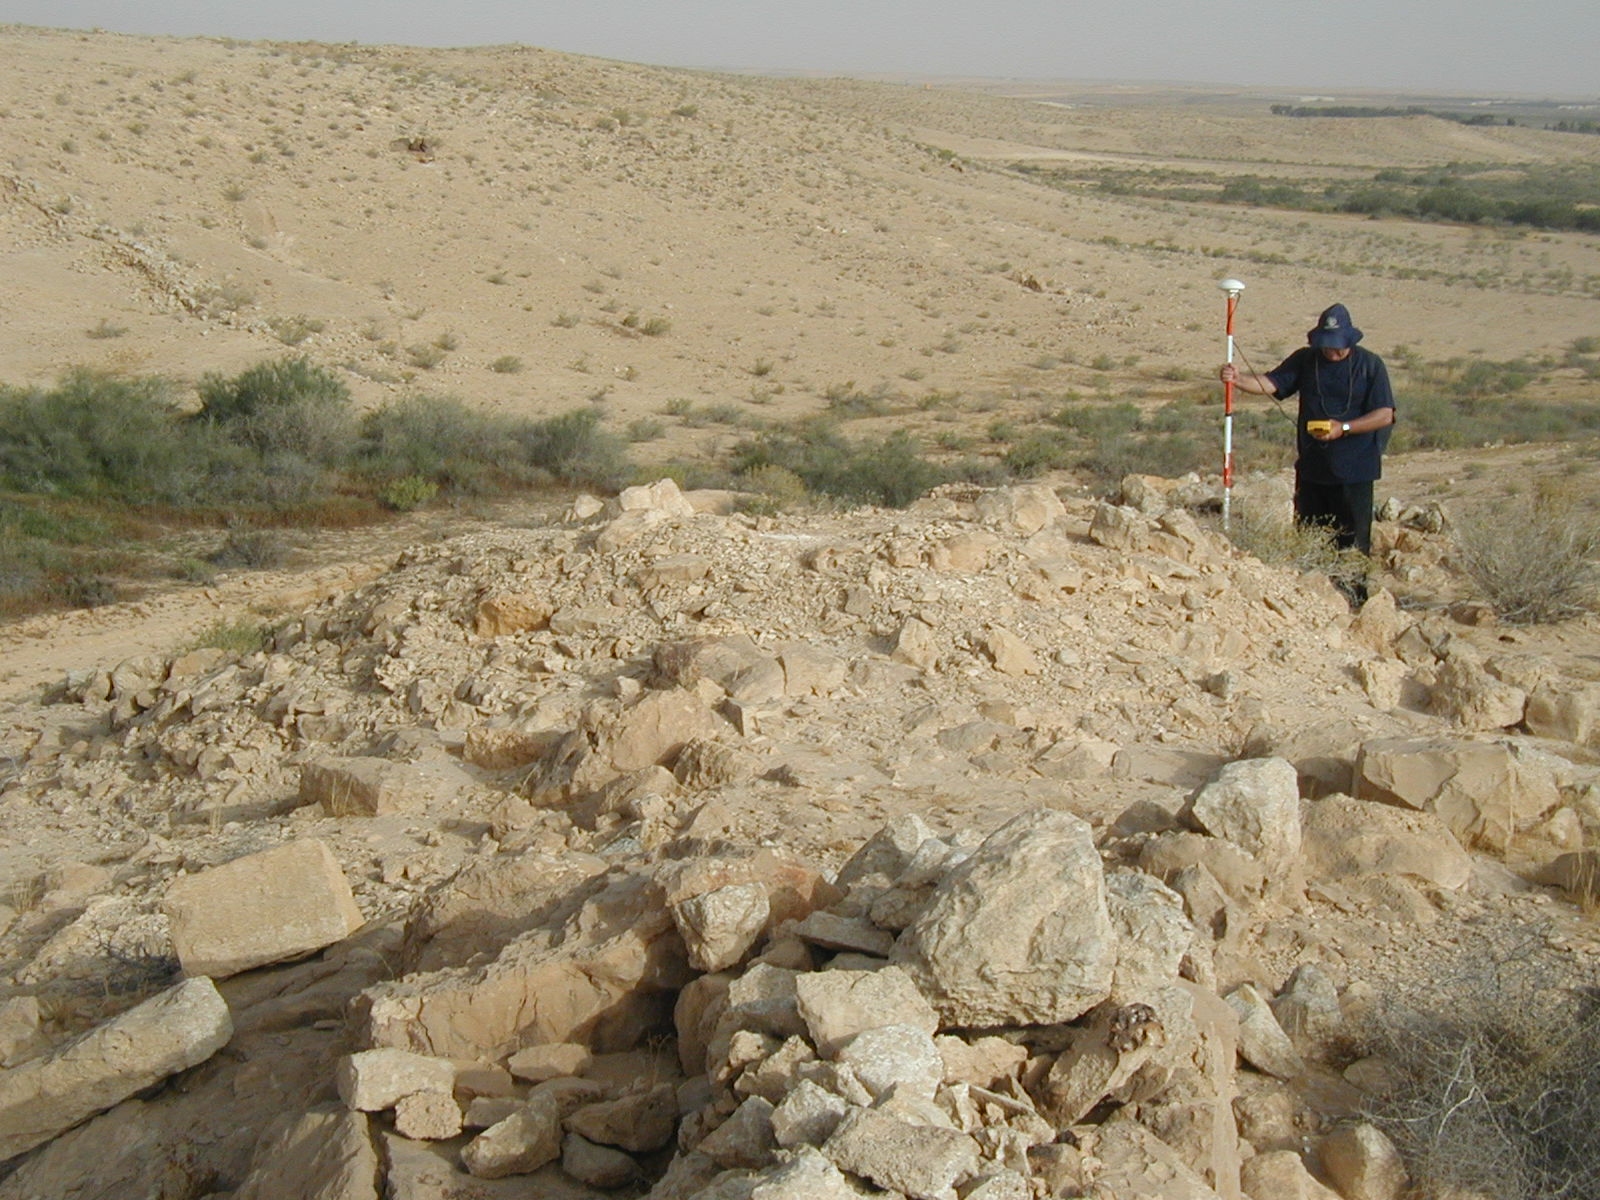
[[1346, 406]]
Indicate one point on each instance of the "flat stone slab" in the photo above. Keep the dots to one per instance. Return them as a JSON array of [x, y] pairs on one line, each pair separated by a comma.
[[180, 1028], [263, 908]]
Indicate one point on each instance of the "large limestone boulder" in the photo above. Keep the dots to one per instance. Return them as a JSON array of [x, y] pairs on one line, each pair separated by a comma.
[[1349, 838], [263, 908], [916, 1160], [1153, 933], [171, 1032], [1255, 804], [1119, 528], [373, 1080], [1282, 1175], [492, 900], [1468, 692], [837, 1005], [320, 1155], [510, 612], [518, 1145], [604, 977], [806, 1175], [1262, 1041], [720, 925], [734, 663], [1363, 1163], [1136, 1165], [1567, 713], [662, 496], [1482, 791], [1019, 933], [1024, 509]]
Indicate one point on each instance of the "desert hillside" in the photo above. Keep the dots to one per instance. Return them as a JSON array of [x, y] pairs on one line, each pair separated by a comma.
[[533, 232]]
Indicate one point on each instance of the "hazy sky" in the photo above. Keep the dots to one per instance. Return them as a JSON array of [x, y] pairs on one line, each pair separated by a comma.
[[1548, 48]]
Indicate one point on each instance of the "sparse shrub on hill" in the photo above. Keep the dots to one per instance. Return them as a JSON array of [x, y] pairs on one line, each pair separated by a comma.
[[1533, 559]]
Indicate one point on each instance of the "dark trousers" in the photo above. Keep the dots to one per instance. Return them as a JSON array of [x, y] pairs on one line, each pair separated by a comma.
[[1345, 508]]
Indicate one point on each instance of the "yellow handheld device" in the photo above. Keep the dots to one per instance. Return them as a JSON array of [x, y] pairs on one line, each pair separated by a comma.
[[1319, 426]]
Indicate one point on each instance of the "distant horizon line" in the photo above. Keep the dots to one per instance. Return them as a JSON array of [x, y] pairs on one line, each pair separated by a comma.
[[1298, 90]]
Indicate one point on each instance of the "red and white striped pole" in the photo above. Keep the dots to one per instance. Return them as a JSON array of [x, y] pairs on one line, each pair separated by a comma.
[[1233, 287]]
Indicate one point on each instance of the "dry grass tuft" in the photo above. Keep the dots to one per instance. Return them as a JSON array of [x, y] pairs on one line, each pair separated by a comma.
[[1533, 558]]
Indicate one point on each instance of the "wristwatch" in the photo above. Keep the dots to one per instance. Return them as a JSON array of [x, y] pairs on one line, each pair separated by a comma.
[[1344, 426]]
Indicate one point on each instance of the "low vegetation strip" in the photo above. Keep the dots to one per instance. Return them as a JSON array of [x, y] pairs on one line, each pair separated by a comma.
[[88, 465], [98, 467], [1532, 195]]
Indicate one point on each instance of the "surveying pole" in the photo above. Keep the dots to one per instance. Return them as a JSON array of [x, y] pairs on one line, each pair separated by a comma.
[[1233, 287]]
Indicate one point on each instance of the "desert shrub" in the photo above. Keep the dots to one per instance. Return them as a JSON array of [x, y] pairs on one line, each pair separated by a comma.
[[645, 429], [237, 636], [408, 494], [425, 355], [435, 438], [506, 364], [847, 401], [1040, 452], [574, 449], [1495, 1090], [772, 489], [1097, 421], [291, 331], [1533, 559], [1277, 538], [291, 406], [255, 548], [1165, 454], [101, 436], [889, 471]]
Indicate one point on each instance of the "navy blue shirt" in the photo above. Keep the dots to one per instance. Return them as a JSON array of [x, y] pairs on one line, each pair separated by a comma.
[[1336, 391]]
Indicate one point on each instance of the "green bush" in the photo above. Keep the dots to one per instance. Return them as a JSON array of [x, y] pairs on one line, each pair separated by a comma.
[[574, 449], [100, 436], [439, 439], [258, 549], [237, 636], [408, 494], [890, 471], [289, 406], [772, 488], [1040, 452]]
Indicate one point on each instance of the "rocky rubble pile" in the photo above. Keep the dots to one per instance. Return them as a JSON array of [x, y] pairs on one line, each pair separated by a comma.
[[1004, 847]]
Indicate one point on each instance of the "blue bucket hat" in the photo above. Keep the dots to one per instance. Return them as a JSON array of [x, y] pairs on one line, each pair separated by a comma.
[[1335, 330]]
